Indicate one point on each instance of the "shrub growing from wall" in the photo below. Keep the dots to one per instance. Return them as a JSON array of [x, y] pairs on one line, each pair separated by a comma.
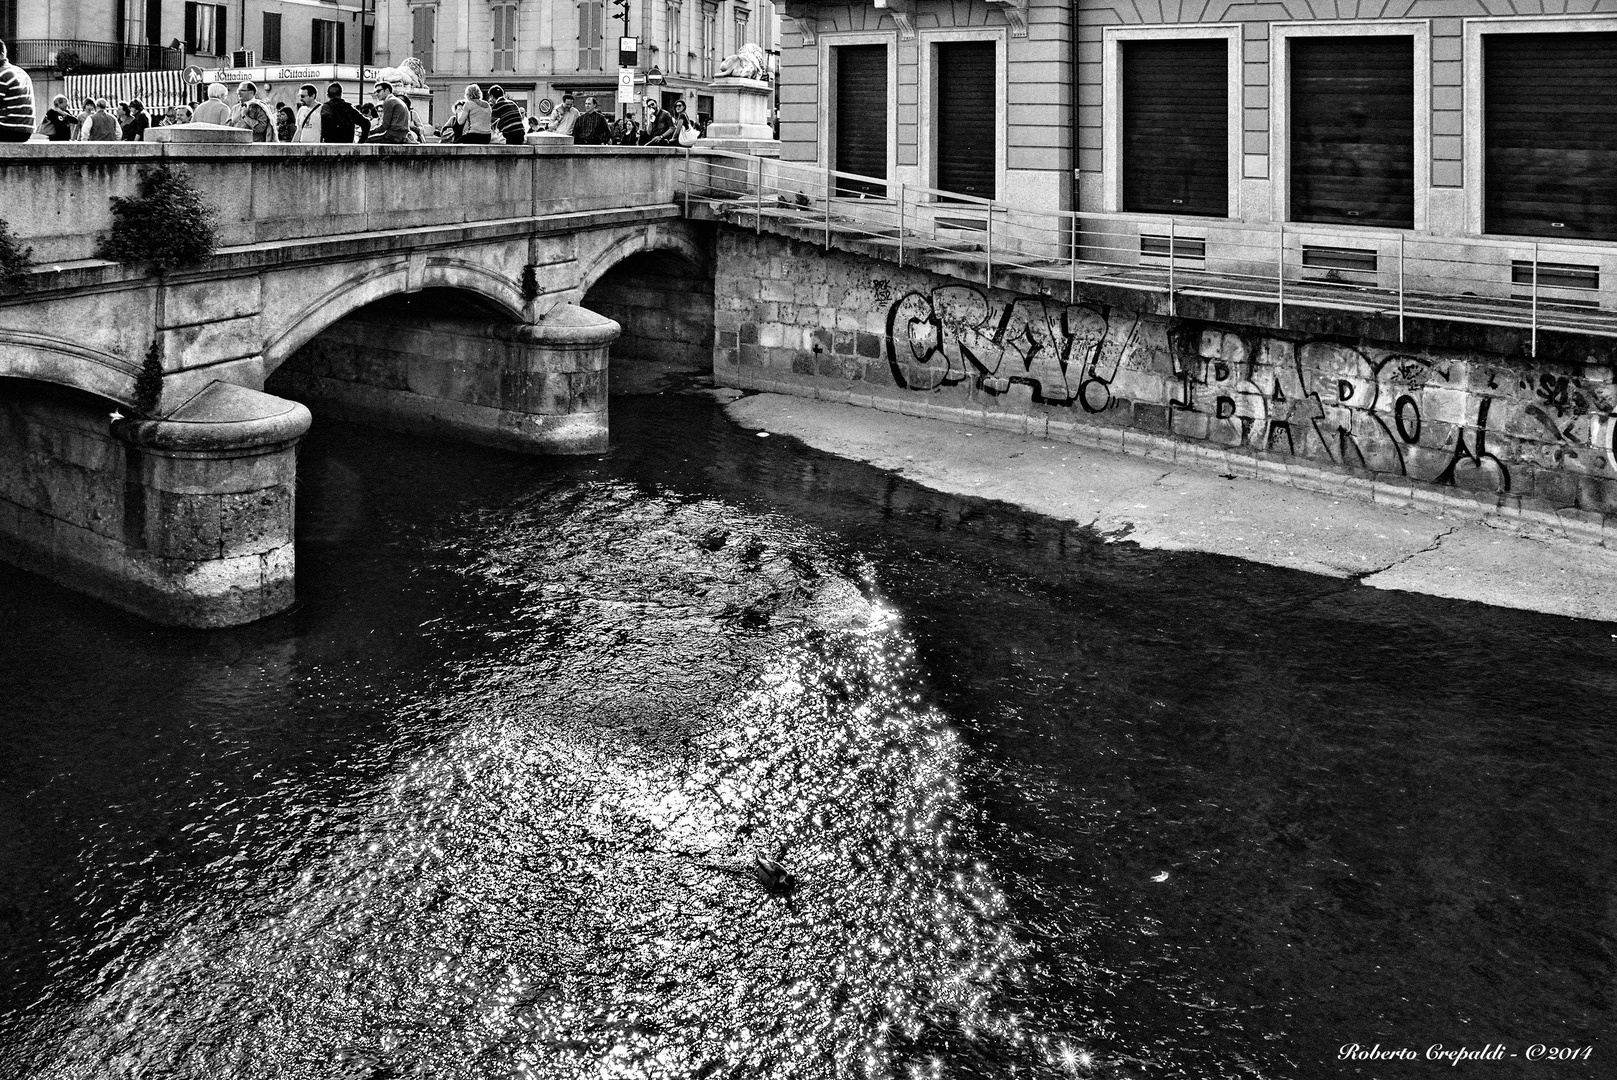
[[14, 258], [167, 227]]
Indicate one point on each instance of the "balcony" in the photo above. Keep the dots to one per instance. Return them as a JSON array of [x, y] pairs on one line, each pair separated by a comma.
[[67, 56]]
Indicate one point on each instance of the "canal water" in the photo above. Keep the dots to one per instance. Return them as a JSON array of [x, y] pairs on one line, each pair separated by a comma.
[[488, 802]]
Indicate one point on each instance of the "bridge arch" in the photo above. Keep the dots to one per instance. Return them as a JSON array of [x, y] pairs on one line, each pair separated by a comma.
[[44, 358], [641, 241], [385, 282], [657, 286]]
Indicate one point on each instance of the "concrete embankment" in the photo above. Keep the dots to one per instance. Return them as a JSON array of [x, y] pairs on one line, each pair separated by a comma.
[[1172, 506]]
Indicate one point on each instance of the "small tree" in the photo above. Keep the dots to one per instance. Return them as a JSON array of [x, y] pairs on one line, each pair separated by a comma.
[[149, 383], [166, 227], [14, 258]]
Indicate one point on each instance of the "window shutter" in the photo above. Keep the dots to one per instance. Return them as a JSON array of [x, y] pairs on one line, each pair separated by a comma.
[[342, 40], [317, 46], [220, 13], [191, 41]]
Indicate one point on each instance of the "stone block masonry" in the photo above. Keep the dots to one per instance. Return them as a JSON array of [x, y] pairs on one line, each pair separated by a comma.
[[1480, 434], [186, 521], [530, 387]]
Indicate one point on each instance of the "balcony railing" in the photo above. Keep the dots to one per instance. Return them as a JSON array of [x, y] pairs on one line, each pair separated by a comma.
[[1386, 274], [68, 56]]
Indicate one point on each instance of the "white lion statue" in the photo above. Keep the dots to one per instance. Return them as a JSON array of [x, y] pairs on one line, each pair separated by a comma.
[[410, 72], [748, 62]]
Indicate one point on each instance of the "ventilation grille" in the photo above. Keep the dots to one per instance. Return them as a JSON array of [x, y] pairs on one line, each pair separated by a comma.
[[1191, 248], [1555, 275], [1354, 260]]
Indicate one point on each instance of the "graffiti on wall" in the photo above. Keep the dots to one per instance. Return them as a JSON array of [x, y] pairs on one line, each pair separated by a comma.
[[1067, 354], [1453, 420]]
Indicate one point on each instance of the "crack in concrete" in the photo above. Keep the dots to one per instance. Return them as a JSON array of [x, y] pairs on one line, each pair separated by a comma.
[[1436, 543]]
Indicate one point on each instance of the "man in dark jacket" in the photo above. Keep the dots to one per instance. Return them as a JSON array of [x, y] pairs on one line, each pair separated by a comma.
[[507, 118], [592, 129], [339, 120], [659, 125]]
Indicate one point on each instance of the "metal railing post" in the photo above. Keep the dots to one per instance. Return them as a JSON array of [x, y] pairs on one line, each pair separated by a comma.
[[828, 206], [901, 224], [1400, 286], [1533, 347], [1072, 263], [1280, 276], [758, 202], [687, 181], [1173, 252], [988, 278]]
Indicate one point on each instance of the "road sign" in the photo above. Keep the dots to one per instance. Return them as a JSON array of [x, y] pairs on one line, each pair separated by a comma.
[[626, 86], [193, 75]]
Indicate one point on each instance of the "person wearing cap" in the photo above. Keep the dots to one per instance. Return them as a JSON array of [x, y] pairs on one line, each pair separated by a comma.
[[16, 101]]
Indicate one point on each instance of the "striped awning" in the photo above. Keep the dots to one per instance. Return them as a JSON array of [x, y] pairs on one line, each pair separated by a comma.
[[155, 89]]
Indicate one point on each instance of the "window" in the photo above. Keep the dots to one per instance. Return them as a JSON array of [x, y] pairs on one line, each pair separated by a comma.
[[671, 39], [591, 30], [134, 22], [741, 28], [205, 28], [1352, 145], [505, 37], [1176, 135], [271, 48], [710, 38], [326, 42], [8, 19], [423, 35]]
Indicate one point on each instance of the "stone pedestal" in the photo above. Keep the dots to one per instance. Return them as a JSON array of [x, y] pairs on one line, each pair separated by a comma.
[[537, 388], [740, 109], [186, 521]]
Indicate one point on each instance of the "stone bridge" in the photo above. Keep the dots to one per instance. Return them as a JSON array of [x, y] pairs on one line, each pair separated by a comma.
[[429, 288]]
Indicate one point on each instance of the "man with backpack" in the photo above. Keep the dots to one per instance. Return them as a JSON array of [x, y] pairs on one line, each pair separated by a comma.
[[340, 120]]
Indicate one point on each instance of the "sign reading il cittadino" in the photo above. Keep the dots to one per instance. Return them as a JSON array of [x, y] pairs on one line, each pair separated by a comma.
[[309, 73]]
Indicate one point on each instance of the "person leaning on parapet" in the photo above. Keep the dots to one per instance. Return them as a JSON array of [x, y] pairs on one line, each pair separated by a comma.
[[253, 115], [592, 128], [506, 117], [339, 120], [103, 125], [306, 123], [59, 124], [16, 101], [566, 118], [392, 118], [476, 118], [214, 110], [659, 129]]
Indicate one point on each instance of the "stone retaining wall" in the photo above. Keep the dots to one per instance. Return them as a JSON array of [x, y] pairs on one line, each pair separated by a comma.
[[1473, 432]]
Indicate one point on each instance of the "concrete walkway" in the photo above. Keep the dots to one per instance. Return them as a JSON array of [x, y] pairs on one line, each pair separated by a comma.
[[1174, 507]]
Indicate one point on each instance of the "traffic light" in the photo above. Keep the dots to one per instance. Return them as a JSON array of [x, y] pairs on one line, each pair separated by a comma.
[[623, 8]]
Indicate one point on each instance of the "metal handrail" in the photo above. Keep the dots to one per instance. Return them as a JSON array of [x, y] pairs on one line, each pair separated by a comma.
[[1240, 258]]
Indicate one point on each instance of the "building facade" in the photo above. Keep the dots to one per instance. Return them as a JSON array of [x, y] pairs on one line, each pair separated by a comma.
[[53, 39], [1444, 118], [539, 50]]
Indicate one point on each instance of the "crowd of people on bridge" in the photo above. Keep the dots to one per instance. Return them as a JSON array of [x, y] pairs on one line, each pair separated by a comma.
[[478, 119]]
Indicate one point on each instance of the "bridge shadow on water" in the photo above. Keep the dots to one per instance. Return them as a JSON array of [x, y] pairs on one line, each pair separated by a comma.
[[486, 802]]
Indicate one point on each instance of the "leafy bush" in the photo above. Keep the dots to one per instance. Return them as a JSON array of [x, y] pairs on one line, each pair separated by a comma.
[[149, 383], [166, 227], [14, 258]]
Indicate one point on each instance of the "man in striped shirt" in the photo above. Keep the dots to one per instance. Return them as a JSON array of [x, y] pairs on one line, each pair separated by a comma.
[[16, 101]]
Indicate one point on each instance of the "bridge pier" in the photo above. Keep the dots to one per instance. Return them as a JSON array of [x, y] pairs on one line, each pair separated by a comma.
[[186, 521], [530, 387]]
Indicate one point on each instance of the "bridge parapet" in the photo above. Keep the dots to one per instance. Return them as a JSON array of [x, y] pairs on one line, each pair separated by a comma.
[[57, 194]]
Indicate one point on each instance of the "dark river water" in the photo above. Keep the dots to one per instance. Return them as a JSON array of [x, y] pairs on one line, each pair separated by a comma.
[[487, 803]]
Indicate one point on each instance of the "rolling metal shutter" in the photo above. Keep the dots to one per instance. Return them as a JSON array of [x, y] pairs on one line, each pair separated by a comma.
[[1550, 135], [1176, 130], [1353, 131], [861, 121], [965, 123]]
